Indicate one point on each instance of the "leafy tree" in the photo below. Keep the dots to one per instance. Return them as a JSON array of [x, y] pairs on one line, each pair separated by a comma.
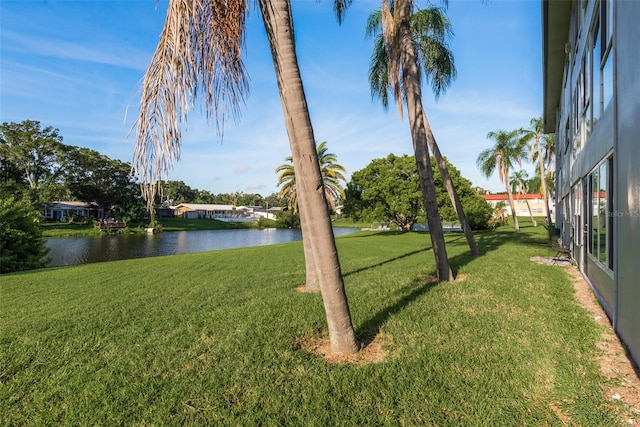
[[388, 189], [200, 54], [176, 192], [21, 243], [95, 178], [287, 218], [509, 149], [36, 153]]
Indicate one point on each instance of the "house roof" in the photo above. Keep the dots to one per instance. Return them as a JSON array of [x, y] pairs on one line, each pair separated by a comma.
[[493, 197], [69, 204], [556, 19]]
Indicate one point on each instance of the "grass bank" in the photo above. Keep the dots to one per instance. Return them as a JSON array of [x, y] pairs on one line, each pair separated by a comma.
[[214, 339]]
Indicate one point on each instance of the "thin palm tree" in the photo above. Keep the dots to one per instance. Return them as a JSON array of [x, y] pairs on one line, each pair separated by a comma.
[[200, 54], [508, 150], [430, 28], [332, 174], [519, 184], [542, 150], [403, 75]]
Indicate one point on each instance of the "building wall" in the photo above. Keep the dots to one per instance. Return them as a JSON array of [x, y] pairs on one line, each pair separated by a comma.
[[598, 156], [627, 165]]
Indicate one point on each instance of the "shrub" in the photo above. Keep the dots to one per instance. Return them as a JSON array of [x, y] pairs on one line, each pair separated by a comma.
[[21, 243]]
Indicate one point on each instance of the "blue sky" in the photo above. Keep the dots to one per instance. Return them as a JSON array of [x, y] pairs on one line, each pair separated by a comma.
[[78, 65]]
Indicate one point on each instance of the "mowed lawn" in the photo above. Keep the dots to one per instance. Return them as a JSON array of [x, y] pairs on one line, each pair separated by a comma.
[[215, 339]]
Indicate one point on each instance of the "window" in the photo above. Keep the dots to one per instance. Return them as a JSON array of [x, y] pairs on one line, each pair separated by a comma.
[[577, 213], [601, 214], [606, 54]]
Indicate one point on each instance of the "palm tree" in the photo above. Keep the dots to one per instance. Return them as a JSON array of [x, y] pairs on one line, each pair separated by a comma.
[[509, 149], [200, 54], [403, 77], [332, 174], [430, 28], [544, 156], [519, 184]]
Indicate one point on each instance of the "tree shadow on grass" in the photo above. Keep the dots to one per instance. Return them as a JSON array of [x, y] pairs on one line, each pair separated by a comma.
[[381, 263], [370, 328]]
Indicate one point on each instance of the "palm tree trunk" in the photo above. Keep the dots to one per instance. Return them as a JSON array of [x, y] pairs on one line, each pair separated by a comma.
[[278, 23], [535, 224], [543, 180], [451, 190], [311, 283], [511, 203], [411, 81]]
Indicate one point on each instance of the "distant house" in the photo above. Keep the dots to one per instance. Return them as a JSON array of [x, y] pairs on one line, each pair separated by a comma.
[[536, 202], [66, 210], [228, 213]]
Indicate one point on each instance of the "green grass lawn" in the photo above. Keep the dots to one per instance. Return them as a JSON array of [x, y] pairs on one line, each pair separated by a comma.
[[213, 339]]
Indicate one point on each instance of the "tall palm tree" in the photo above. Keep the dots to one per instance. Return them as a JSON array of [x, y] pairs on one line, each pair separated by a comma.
[[332, 174], [519, 184], [403, 76], [509, 149], [544, 155], [200, 54], [430, 28]]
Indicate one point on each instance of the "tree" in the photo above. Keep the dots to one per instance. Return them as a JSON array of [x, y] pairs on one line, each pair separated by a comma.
[[200, 53], [429, 28], [35, 152], [542, 150], [332, 174], [509, 149], [22, 246], [402, 53], [519, 185], [95, 178], [388, 189], [331, 171]]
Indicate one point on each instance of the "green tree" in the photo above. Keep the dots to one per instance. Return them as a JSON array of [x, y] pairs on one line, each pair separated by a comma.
[[21, 243], [508, 149], [200, 54], [36, 153], [405, 44], [388, 189], [95, 178]]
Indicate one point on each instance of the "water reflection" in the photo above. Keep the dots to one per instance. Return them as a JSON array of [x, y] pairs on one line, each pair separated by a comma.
[[82, 250]]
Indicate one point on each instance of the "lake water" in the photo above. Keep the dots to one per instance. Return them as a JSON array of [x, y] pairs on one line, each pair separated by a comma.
[[83, 250]]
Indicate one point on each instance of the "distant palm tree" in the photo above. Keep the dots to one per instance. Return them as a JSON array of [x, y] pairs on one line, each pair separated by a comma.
[[332, 176], [200, 54], [508, 150], [520, 185], [430, 28], [544, 155]]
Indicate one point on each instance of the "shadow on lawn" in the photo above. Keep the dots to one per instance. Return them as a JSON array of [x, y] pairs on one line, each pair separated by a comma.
[[369, 329], [381, 263]]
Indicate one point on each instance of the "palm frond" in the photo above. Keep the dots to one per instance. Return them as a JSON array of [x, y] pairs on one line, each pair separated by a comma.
[[199, 54]]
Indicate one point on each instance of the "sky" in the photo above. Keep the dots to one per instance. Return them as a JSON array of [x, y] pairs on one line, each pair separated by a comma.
[[78, 66]]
